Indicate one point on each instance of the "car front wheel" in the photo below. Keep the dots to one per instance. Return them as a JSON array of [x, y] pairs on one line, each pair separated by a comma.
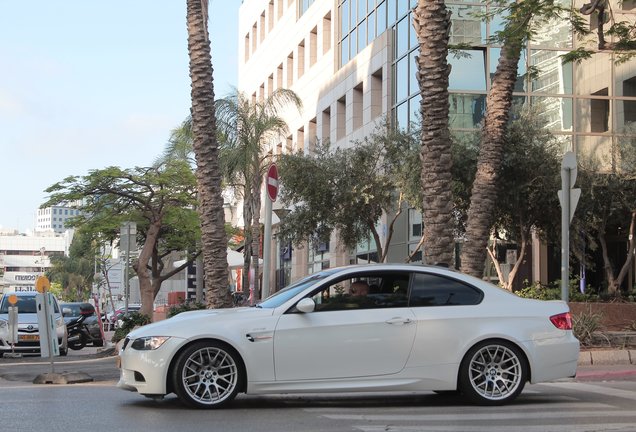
[[493, 373], [207, 375]]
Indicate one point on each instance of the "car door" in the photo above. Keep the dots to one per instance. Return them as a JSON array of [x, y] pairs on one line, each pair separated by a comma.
[[346, 337]]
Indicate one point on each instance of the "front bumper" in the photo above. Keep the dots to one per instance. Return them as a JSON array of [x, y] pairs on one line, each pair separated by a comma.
[[146, 372]]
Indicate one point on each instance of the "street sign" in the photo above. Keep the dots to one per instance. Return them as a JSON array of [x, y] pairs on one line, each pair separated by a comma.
[[42, 284], [13, 325], [45, 308], [272, 182]]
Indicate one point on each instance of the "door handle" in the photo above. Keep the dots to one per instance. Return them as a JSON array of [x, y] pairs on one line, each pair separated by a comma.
[[399, 320]]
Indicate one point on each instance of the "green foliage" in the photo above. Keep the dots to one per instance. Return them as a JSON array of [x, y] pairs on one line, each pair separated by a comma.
[[134, 319], [184, 307], [585, 325], [552, 291], [74, 273], [350, 187], [160, 199]]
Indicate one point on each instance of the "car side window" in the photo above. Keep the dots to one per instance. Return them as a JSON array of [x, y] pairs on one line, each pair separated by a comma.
[[434, 290], [364, 291]]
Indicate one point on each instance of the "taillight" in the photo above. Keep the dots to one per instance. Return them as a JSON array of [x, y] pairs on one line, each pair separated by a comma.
[[562, 321]]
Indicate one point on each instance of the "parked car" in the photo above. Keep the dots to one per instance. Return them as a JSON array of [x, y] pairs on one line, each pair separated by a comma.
[[115, 318], [418, 328], [85, 312], [28, 329]]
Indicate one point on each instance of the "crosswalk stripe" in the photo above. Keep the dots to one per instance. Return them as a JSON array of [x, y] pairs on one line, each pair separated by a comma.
[[475, 417], [590, 388], [507, 428], [466, 410]]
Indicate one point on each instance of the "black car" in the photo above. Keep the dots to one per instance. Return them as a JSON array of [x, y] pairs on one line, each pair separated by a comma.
[[82, 315]]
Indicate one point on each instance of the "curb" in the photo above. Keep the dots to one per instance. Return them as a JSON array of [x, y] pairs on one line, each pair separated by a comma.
[[63, 378], [607, 357]]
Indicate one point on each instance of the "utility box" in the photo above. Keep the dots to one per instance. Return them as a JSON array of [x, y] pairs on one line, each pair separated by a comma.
[[176, 297]]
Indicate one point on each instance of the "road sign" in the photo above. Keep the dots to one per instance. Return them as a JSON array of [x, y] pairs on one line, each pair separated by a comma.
[[13, 325], [272, 182], [42, 284], [45, 308]]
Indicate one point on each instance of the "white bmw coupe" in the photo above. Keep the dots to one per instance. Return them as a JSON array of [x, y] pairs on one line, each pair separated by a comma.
[[359, 328]]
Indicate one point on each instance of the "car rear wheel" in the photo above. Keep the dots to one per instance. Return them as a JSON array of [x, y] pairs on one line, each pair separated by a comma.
[[493, 373], [207, 375]]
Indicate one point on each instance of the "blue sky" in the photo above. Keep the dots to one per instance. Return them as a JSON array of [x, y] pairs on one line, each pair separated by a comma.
[[86, 84]]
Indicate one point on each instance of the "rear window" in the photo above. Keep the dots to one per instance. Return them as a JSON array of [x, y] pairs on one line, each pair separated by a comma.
[[434, 290]]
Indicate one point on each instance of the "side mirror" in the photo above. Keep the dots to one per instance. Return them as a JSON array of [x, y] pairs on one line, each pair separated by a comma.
[[66, 312], [306, 305]]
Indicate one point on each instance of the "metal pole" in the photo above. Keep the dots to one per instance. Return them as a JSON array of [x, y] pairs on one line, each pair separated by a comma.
[[126, 281], [565, 234], [267, 246]]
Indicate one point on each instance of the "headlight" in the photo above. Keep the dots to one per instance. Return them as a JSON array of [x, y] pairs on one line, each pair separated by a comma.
[[148, 343]]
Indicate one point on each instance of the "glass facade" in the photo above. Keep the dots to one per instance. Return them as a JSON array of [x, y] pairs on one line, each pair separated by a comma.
[[586, 105]]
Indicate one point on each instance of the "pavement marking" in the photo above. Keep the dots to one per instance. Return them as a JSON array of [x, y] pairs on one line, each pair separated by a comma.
[[476, 416], [627, 427], [590, 388], [479, 410]]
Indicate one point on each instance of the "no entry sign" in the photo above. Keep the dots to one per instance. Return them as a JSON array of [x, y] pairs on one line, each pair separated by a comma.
[[272, 182]]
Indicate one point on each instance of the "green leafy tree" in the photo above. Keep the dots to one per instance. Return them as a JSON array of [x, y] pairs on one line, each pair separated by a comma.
[[206, 150], [159, 199], [607, 208], [76, 271], [247, 129], [526, 199], [350, 189]]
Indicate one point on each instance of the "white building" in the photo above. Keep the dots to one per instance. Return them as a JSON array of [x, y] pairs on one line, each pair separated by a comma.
[[23, 258], [353, 61], [54, 218]]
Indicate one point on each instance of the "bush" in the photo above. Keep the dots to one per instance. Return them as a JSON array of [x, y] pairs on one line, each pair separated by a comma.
[[134, 319], [184, 307], [584, 325], [553, 292]]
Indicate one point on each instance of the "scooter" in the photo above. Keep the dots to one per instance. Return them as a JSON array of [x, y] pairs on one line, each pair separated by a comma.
[[78, 335]]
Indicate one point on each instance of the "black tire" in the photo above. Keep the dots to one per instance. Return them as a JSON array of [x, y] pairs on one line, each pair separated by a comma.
[[77, 345], [493, 373], [207, 375]]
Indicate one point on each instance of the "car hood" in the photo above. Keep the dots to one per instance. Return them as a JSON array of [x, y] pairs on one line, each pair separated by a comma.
[[183, 324]]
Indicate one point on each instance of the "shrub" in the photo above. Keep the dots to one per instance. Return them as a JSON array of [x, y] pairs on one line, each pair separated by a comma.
[[184, 307], [585, 325], [131, 321]]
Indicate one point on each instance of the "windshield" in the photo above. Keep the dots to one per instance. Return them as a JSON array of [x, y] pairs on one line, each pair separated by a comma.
[[25, 304], [292, 290]]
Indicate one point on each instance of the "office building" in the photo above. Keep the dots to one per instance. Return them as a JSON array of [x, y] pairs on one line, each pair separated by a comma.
[[352, 62]]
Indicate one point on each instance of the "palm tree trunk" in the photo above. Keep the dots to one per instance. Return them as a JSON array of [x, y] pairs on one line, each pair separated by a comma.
[[256, 232], [484, 191], [214, 242], [431, 21]]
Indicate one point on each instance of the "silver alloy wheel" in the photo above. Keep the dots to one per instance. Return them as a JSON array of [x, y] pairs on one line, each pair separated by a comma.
[[209, 375], [495, 372]]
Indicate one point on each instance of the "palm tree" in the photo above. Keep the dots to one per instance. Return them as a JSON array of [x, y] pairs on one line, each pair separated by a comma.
[[247, 129], [431, 21], [206, 152], [522, 21]]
